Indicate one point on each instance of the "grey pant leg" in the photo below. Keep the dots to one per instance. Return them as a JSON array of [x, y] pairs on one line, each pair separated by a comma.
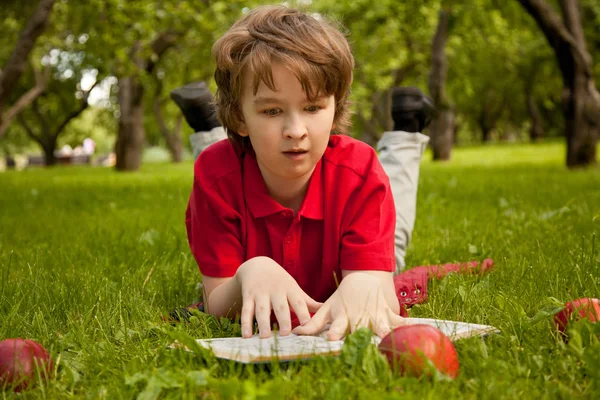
[[400, 154], [201, 140]]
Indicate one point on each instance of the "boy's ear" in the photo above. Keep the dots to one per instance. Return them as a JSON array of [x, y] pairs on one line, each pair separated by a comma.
[[242, 130]]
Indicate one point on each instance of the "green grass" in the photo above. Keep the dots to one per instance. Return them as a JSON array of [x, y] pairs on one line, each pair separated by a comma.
[[90, 260]]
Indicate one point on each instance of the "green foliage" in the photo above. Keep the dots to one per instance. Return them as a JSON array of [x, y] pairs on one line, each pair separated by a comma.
[[14, 18], [91, 260], [390, 41], [95, 123], [497, 57], [362, 357]]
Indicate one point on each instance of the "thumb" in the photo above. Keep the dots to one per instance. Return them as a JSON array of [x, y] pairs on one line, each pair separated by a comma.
[[315, 324], [385, 326]]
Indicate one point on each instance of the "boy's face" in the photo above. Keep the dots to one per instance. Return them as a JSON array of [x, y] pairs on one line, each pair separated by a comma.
[[289, 134]]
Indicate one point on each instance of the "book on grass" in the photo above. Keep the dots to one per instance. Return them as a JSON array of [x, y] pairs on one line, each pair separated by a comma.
[[296, 347]]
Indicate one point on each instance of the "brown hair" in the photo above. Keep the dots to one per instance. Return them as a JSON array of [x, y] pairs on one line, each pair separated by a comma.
[[315, 51]]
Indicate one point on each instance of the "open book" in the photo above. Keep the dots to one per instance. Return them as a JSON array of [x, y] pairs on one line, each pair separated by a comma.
[[295, 347]]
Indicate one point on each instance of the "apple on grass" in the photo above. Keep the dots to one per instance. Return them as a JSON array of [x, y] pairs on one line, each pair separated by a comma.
[[20, 361], [411, 349], [584, 308]]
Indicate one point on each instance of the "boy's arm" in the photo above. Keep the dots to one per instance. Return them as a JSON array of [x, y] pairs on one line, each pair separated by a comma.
[[223, 296], [387, 286]]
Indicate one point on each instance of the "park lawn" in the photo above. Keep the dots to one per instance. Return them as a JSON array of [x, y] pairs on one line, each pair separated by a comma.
[[91, 259]]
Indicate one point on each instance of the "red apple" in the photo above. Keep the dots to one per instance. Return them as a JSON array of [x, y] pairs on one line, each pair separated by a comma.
[[408, 347], [19, 359], [585, 308]]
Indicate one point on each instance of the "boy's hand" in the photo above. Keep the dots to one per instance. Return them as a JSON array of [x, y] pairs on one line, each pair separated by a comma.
[[358, 302], [267, 286]]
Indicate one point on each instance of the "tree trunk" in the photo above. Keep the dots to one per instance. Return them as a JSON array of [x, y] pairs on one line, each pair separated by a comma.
[[486, 123], [17, 62], [581, 99], [43, 137], [130, 137], [49, 149], [174, 142], [536, 131], [381, 106], [486, 135], [175, 148], [441, 144], [455, 132], [172, 139], [381, 117], [370, 133], [442, 125]]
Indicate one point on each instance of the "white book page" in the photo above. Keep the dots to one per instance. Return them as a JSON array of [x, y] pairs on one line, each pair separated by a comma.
[[294, 347], [284, 348], [455, 330]]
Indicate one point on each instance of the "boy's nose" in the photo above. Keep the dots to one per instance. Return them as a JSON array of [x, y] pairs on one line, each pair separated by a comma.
[[294, 128]]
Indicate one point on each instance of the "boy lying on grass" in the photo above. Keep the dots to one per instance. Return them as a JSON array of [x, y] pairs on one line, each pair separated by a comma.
[[288, 216]]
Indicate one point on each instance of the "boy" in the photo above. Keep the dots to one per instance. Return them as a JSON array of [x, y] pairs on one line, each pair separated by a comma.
[[286, 216]]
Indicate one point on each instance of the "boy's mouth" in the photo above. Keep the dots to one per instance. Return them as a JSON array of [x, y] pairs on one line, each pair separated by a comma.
[[295, 153]]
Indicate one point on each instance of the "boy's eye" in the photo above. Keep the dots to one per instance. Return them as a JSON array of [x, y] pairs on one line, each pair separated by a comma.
[[272, 112], [313, 108]]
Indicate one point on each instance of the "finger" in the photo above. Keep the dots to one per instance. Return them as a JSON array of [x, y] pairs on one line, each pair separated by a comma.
[[362, 322], [315, 324], [338, 328], [262, 311], [313, 305], [300, 307], [384, 327], [247, 317], [282, 314], [396, 321]]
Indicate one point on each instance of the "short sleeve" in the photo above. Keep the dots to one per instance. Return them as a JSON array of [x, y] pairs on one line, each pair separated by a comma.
[[214, 231], [369, 220]]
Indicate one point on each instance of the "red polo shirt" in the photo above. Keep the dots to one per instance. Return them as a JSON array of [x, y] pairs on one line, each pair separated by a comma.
[[346, 221]]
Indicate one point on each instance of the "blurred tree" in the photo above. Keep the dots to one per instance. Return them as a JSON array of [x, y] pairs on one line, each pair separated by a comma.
[[498, 62], [581, 99], [130, 137], [391, 42], [189, 60], [442, 125], [590, 16], [139, 37], [72, 73], [64, 100], [17, 63], [172, 136]]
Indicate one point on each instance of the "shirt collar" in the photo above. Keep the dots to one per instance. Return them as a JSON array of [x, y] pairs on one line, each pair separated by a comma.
[[261, 204], [312, 206]]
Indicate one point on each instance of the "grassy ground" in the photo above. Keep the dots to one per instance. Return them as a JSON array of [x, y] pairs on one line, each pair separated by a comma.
[[91, 259]]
